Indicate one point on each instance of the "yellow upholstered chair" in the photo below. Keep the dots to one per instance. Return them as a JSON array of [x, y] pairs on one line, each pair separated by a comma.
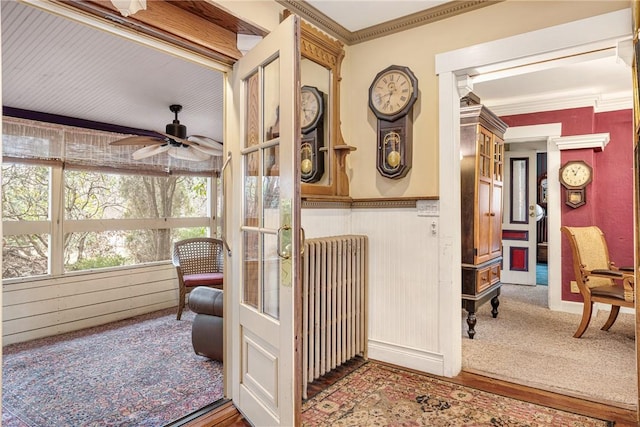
[[199, 262], [598, 279]]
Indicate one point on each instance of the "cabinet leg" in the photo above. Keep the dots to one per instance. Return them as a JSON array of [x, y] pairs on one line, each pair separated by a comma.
[[471, 321], [495, 303]]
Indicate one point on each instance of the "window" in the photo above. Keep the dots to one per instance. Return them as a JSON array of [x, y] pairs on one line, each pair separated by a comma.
[[129, 219], [25, 206], [63, 216]]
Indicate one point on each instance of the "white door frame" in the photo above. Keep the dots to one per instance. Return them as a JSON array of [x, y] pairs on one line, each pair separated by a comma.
[[550, 133], [522, 50]]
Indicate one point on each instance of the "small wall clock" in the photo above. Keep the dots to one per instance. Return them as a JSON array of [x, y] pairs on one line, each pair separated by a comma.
[[575, 175], [312, 143], [391, 98]]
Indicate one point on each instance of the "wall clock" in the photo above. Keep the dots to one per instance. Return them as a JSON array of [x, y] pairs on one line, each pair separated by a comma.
[[575, 175], [312, 142], [391, 98]]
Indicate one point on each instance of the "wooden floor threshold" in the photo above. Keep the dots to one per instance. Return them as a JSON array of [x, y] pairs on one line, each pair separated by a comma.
[[225, 415], [622, 417]]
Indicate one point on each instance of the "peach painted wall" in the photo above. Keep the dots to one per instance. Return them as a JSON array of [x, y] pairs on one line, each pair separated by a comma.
[[610, 194]]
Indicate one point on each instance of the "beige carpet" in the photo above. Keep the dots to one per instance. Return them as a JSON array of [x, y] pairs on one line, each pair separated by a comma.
[[529, 344]]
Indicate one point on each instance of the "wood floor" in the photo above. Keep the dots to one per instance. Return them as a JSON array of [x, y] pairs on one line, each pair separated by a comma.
[[227, 415]]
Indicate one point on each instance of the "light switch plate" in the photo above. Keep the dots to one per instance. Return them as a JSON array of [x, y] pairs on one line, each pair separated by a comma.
[[428, 208]]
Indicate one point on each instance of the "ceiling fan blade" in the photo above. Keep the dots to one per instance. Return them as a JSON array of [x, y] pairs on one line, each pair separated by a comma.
[[150, 150], [174, 139], [187, 153], [206, 150], [137, 140], [206, 142]]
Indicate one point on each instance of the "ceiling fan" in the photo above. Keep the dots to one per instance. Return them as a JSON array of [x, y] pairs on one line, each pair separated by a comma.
[[174, 142]]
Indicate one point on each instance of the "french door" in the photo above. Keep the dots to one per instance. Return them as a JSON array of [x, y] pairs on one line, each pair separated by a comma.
[[263, 226]]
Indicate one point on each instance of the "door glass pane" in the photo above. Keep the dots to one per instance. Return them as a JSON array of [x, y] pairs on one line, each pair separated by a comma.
[[253, 111], [271, 277], [261, 191], [251, 189], [519, 190], [271, 100], [271, 188], [250, 264]]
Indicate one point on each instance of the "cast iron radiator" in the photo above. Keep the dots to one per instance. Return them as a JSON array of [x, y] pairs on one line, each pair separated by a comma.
[[334, 322]]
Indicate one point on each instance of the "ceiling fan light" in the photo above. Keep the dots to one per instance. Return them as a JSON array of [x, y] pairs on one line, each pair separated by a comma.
[[129, 7]]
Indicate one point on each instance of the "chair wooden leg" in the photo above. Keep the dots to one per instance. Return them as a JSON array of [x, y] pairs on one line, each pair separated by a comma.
[[183, 292], [615, 309], [586, 318]]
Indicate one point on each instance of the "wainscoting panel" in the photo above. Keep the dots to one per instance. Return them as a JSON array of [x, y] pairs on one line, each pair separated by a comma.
[[325, 222], [403, 277], [50, 306]]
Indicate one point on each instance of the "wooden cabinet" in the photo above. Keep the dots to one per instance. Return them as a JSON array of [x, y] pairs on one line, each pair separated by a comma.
[[481, 180]]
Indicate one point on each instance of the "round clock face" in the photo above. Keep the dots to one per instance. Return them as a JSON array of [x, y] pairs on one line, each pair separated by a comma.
[[310, 108], [575, 174], [391, 92]]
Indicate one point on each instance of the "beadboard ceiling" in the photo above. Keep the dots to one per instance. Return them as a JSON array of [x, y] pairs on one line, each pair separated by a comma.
[[53, 65]]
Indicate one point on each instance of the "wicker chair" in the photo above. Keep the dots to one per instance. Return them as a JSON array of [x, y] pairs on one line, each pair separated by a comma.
[[597, 277], [199, 262]]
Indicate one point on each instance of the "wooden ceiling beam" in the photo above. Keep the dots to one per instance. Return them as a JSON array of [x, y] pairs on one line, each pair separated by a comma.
[[180, 26]]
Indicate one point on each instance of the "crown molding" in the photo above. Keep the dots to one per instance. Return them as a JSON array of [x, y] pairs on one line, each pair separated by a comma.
[[595, 140], [317, 18], [599, 102], [322, 21]]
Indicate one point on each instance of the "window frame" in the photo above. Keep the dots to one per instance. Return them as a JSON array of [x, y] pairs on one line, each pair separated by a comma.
[[57, 226]]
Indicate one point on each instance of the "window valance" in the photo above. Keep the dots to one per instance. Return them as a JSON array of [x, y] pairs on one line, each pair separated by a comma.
[[27, 140]]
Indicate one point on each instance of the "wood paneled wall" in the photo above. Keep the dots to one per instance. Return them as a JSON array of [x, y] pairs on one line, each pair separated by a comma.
[[51, 306]]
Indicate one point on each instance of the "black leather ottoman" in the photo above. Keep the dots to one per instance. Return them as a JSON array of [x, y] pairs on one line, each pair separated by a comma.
[[207, 329]]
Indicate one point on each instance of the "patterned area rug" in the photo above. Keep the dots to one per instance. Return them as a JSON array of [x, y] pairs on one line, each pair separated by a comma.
[[136, 372], [379, 395]]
